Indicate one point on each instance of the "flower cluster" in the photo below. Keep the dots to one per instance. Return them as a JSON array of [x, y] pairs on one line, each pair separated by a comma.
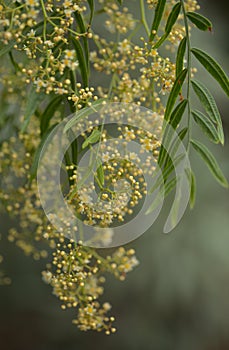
[[155, 73], [44, 32], [53, 64], [76, 271], [118, 21], [120, 182], [48, 44], [75, 275]]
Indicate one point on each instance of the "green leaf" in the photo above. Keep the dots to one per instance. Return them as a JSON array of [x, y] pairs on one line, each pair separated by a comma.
[[178, 113], [80, 22], [209, 104], [174, 93], [33, 169], [48, 113], [157, 18], [172, 17], [165, 157], [169, 186], [174, 147], [213, 68], [93, 138], [210, 161], [100, 174], [168, 132], [172, 220], [192, 199], [183, 133], [180, 56], [170, 23], [32, 102], [92, 9], [95, 107], [74, 147], [171, 147], [206, 125], [200, 21], [192, 183], [82, 61], [162, 193], [165, 172]]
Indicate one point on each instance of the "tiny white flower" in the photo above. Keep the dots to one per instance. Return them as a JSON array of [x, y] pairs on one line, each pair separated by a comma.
[[46, 276]]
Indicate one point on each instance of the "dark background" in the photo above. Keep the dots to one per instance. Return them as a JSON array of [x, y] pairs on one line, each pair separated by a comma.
[[178, 297]]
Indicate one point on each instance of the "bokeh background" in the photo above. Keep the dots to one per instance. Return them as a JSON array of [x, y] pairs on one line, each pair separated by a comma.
[[178, 297]]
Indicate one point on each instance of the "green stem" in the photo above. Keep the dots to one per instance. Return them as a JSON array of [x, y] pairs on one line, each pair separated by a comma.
[[112, 84], [43, 8], [153, 97], [14, 63], [45, 18], [15, 8], [143, 17], [49, 19], [189, 72]]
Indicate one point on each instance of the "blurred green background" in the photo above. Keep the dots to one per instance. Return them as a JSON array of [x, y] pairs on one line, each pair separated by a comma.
[[177, 298]]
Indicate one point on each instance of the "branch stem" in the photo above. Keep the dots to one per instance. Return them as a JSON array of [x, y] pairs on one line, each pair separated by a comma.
[[143, 18], [189, 71]]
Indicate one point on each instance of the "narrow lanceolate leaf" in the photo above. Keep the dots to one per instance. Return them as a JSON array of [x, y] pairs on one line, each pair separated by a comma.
[[210, 161], [33, 100], [74, 149], [213, 68], [49, 113], [93, 138], [209, 104], [161, 194], [120, 2], [183, 133], [192, 190], [80, 22], [82, 62], [100, 174], [162, 175], [166, 157], [92, 9], [180, 56], [170, 23], [157, 18], [33, 169], [200, 21], [83, 113], [192, 181], [174, 146], [177, 113], [173, 17], [169, 133], [170, 185], [170, 145], [174, 93], [206, 125]]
